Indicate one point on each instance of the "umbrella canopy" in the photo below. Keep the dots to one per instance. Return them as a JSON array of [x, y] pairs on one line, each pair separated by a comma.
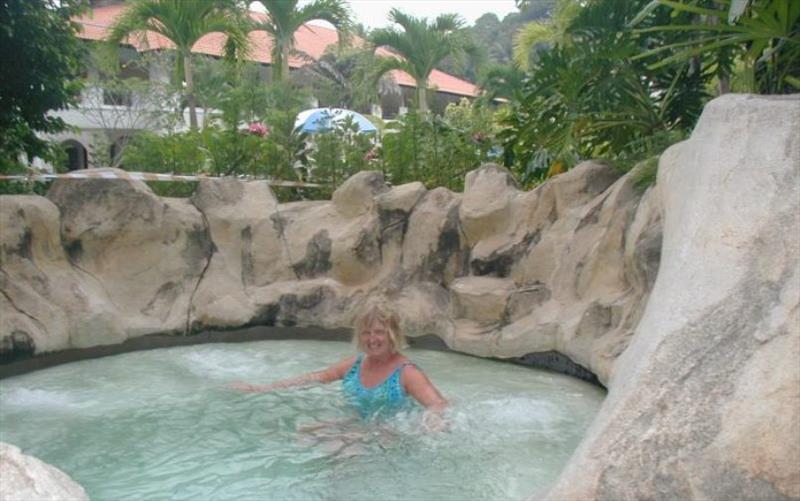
[[324, 119]]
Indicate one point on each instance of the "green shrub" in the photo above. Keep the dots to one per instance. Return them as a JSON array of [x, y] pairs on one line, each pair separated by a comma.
[[438, 151]]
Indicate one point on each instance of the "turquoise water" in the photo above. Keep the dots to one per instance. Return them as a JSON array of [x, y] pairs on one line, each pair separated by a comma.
[[162, 425]]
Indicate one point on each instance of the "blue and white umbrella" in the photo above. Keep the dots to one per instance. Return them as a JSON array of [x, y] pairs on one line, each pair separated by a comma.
[[325, 119]]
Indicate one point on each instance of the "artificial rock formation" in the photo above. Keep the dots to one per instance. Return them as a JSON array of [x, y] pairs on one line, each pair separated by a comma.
[[682, 299], [705, 401], [25, 478], [495, 271]]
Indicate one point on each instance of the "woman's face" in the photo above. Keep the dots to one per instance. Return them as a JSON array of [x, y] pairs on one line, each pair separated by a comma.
[[375, 340]]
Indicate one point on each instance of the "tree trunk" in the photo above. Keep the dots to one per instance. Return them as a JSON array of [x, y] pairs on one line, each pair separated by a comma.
[[187, 75], [280, 69], [422, 95]]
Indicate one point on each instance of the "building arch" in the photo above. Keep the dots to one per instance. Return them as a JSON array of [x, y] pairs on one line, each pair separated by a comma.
[[77, 155]]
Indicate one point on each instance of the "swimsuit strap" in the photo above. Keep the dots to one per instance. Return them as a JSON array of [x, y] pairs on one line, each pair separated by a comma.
[[396, 391]]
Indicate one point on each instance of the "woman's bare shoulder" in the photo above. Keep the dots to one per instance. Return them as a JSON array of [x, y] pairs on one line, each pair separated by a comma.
[[411, 372]]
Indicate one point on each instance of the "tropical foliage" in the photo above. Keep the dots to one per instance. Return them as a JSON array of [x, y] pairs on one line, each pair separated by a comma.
[[594, 97], [346, 79], [593, 79], [335, 155], [500, 81], [285, 17], [41, 60], [545, 32], [763, 34], [252, 135], [183, 23], [437, 151], [420, 46]]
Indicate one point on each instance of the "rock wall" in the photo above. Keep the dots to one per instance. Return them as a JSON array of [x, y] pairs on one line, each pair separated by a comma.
[[494, 271], [705, 402]]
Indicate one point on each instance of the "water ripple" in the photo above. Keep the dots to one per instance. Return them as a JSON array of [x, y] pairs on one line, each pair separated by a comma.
[[161, 425]]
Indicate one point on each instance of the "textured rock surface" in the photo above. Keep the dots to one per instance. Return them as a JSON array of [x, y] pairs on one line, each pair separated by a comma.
[[705, 402], [25, 478], [148, 252], [496, 270], [47, 303]]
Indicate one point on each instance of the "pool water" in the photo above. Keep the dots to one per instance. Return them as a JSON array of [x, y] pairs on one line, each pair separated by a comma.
[[162, 425]]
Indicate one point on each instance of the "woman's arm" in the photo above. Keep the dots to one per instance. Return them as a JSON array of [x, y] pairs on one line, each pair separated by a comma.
[[417, 384], [332, 373]]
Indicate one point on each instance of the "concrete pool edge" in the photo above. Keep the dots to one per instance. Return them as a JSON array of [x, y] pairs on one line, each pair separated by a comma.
[[551, 360]]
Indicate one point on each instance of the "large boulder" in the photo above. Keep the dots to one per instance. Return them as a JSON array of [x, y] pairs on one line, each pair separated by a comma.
[[486, 205], [570, 254], [394, 210], [483, 299], [46, 303], [705, 401], [26, 478], [148, 252], [433, 249], [249, 250]]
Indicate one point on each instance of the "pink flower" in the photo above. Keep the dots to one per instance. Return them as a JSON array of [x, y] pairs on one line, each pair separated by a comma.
[[478, 137], [258, 129], [372, 154]]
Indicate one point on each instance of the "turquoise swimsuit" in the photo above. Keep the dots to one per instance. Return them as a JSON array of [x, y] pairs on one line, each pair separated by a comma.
[[383, 400]]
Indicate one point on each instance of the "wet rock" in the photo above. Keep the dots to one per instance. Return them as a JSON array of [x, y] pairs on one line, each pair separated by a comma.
[[26, 478], [319, 302], [18, 345]]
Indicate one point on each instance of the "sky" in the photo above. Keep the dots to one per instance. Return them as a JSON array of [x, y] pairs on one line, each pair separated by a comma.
[[374, 13]]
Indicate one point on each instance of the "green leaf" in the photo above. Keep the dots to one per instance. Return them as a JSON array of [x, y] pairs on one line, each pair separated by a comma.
[[644, 13], [794, 82], [690, 8]]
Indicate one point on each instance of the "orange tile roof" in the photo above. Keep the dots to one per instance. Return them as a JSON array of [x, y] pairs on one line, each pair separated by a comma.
[[311, 39]]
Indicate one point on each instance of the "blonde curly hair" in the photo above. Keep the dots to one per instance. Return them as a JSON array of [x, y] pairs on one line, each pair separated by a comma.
[[378, 312]]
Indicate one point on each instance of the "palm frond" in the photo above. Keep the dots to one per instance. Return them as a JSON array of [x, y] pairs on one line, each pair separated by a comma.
[[527, 37]]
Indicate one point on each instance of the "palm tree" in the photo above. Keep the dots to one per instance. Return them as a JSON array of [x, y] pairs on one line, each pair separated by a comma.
[[183, 23], [284, 18], [421, 46], [345, 78], [501, 81], [553, 30]]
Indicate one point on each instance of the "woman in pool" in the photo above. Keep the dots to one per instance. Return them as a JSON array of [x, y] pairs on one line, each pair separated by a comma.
[[377, 381]]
